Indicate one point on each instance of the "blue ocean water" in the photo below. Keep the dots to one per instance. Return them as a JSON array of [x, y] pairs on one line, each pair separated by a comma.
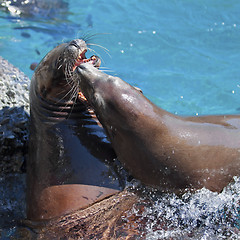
[[182, 54]]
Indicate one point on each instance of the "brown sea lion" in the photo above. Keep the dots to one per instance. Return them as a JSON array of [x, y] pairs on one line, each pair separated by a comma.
[[116, 217], [71, 163], [160, 148]]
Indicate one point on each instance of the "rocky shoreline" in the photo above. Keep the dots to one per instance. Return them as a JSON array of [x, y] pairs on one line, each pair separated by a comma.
[[14, 117], [14, 120]]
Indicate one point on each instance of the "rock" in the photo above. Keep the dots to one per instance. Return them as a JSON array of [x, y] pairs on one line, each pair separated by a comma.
[[14, 118]]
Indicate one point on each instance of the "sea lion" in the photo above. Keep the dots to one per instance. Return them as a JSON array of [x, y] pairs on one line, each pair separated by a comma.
[[71, 162], [159, 148]]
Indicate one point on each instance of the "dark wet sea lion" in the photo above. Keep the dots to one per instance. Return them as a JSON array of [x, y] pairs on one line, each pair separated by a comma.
[[70, 163], [157, 147]]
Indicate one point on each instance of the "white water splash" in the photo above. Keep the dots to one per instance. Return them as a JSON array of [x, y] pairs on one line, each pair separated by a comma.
[[200, 215]]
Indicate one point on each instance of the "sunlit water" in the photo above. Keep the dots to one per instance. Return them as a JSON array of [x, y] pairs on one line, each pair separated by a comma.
[[184, 55]]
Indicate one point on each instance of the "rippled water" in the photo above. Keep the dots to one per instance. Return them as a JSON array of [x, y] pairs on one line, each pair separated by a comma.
[[184, 55]]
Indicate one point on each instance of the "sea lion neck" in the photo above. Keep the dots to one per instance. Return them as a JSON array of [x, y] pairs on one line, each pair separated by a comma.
[[111, 96]]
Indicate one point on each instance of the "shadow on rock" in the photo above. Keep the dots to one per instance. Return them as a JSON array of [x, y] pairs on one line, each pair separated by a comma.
[[13, 139]]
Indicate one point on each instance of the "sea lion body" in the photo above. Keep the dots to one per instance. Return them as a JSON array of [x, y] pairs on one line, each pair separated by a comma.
[[161, 149], [68, 150]]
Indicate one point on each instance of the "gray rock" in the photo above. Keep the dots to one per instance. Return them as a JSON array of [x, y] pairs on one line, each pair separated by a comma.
[[14, 118], [14, 86]]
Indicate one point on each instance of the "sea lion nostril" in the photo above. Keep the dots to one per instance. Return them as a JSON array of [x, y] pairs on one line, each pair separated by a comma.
[[74, 43], [80, 68]]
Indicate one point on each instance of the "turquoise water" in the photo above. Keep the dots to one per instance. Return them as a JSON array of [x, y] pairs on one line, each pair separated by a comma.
[[184, 55]]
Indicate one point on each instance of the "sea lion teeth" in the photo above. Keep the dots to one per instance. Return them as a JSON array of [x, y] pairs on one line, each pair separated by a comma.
[[82, 59]]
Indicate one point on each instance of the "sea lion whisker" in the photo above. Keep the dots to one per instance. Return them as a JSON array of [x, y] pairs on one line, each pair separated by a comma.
[[100, 46], [69, 92], [68, 104], [69, 82], [89, 36], [68, 72], [59, 93], [74, 102], [92, 50], [105, 69], [74, 86], [94, 44], [74, 91]]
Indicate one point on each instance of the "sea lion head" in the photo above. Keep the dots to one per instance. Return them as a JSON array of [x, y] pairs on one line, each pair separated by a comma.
[[113, 100], [55, 75]]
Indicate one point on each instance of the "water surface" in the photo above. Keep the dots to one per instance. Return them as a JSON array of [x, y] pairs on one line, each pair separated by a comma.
[[184, 55]]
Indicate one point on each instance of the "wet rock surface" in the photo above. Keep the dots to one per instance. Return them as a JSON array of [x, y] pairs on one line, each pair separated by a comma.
[[14, 86], [14, 118]]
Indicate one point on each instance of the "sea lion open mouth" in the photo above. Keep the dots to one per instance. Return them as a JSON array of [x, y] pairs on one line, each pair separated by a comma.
[[94, 60]]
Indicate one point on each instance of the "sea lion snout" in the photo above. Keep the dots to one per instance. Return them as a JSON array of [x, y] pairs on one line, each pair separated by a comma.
[[89, 76]]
